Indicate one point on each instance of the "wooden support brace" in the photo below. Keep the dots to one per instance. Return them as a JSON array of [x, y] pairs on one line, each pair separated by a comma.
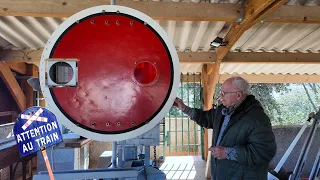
[[13, 86]]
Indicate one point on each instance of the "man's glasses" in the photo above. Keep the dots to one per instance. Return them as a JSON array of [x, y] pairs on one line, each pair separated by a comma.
[[223, 93]]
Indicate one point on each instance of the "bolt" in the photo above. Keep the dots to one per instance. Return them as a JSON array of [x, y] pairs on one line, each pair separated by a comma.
[[107, 124], [118, 123]]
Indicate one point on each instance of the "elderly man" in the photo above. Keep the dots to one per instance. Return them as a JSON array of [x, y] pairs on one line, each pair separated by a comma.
[[243, 142]]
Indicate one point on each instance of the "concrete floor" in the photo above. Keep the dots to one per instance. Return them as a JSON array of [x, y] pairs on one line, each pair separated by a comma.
[[184, 167]]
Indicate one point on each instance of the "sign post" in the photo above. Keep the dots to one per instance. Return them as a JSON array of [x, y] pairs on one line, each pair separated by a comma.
[[37, 129]]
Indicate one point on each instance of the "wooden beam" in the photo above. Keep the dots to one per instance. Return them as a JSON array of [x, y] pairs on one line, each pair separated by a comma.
[[197, 57], [19, 67], [186, 11], [8, 113], [26, 56], [255, 11], [156, 10], [194, 57], [32, 70], [272, 57], [13, 86], [209, 82], [295, 14]]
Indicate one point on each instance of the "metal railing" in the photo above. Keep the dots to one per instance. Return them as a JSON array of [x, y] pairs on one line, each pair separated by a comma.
[[182, 135]]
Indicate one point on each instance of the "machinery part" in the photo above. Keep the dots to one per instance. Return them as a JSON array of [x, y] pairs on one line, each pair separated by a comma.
[[315, 172], [305, 149], [90, 174], [273, 175], [128, 73]]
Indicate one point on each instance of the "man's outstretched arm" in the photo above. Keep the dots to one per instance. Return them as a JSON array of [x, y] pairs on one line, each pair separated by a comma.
[[202, 118]]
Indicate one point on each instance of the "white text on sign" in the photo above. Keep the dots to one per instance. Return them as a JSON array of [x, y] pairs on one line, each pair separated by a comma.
[[38, 133]]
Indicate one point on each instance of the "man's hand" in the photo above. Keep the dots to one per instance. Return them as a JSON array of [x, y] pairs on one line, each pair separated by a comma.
[[218, 152], [179, 104]]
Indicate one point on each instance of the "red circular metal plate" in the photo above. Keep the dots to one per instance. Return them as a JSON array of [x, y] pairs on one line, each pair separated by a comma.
[[108, 99]]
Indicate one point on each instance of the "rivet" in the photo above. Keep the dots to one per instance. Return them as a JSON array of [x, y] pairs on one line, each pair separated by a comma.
[[132, 123], [135, 62], [155, 63], [145, 23], [117, 22], [107, 22], [93, 124], [118, 123], [107, 124], [103, 11], [92, 21], [118, 11], [78, 21], [131, 23]]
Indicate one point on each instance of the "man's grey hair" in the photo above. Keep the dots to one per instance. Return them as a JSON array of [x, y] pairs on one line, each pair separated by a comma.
[[242, 84]]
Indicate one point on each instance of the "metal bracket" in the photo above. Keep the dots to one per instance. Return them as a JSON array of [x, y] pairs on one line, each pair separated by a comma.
[[241, 16]]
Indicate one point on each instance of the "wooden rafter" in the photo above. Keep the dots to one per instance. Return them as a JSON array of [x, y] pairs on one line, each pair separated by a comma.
[[29, 56], [187, 11], [251, 57], [19, 67], [13, 86], [255, 11]]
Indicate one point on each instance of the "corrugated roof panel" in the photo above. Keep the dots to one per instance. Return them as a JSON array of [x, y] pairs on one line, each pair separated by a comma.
[[190, 68], [279, 37], [194, 35]]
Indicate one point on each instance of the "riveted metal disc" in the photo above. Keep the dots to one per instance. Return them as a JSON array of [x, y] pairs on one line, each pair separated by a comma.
[[128, 73]]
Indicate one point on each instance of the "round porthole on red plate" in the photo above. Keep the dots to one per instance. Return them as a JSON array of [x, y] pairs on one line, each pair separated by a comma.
[[145, 73], [128, 73]]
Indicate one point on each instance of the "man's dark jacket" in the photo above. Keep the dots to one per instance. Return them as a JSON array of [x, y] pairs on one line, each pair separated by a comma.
[[249, 131]]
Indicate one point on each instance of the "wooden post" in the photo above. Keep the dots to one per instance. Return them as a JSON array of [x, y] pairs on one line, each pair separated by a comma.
[[210, 77], [31, 70]]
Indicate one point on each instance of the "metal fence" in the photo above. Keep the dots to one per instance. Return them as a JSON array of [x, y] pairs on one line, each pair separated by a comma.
[[180, 135]]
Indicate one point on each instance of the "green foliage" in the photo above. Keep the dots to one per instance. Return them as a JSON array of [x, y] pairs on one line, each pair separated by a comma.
[[295, 105], [190, 93], [265, 94]]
